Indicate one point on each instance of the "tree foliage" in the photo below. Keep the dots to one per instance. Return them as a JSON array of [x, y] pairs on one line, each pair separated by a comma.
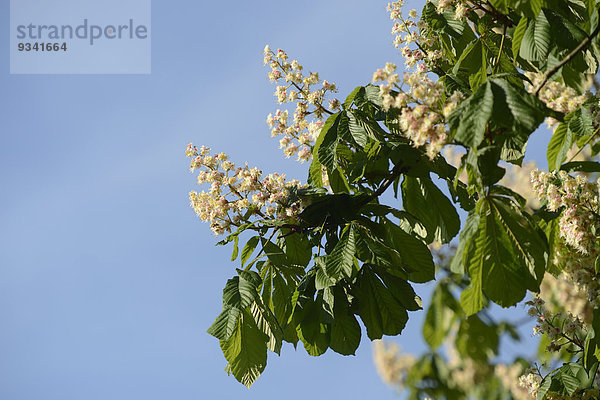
[[330, 255]]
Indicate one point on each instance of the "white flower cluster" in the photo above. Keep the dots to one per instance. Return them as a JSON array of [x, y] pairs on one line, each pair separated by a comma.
[[509, 376], [561, 293], [409, 33], [578, 200], [461, 11], [555, 95], [531, 382], [308, 93], [422, 112], [236, 193], [561, 328], [391, 364]]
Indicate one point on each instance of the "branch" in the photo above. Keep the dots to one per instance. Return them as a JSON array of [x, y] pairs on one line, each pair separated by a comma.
[[568, 58], [396, 172]]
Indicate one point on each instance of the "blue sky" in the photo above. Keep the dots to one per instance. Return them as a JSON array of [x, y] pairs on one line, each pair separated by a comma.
[[108, 281]]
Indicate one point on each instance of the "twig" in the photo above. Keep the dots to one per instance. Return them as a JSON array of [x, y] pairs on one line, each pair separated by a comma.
[[396, 172], [568, 58], [500, 52]]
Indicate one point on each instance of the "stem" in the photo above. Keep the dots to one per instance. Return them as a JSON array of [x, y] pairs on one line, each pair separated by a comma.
[[500, 52], [396, 172], [568, 58], [303, 93]]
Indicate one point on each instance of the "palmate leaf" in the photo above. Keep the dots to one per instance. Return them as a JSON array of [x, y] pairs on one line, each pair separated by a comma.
[[470, 118], [246, 350], [267, 323], [372, 250], [422, 198], [506, 257], [565, 380], [345, 330], [502, 104], [415, 255], [313, 329], [380, 305], [440, 316]]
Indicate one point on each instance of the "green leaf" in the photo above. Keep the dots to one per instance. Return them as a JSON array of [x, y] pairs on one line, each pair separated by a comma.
[[471, 298], [225, 323], [274, 253], [466, 236], [267, 323], [518, 35], [507, 257], [297, 248], [246, 350], [581, 166], [470, 118], [415, 254], [313, 330], [322, 278], [440, 316], [509, 107], [326, 143], [581, 122], [444, 22], [315, 173], [357, 92], [476, 340], [472, 62], [578, 123], [400, 290], [536, 41], [249, 248], [515, 109], [357, 130], [553, 237], [560, 144], [234, 254], [422, 198], [340, 262], [240, 292], [337, 181], [372, 250], [379, 310], [282, 305], [332, 208], [345, 330], [568, 379]]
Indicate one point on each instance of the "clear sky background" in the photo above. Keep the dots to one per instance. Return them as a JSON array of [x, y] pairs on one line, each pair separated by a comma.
[[108, 281]]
